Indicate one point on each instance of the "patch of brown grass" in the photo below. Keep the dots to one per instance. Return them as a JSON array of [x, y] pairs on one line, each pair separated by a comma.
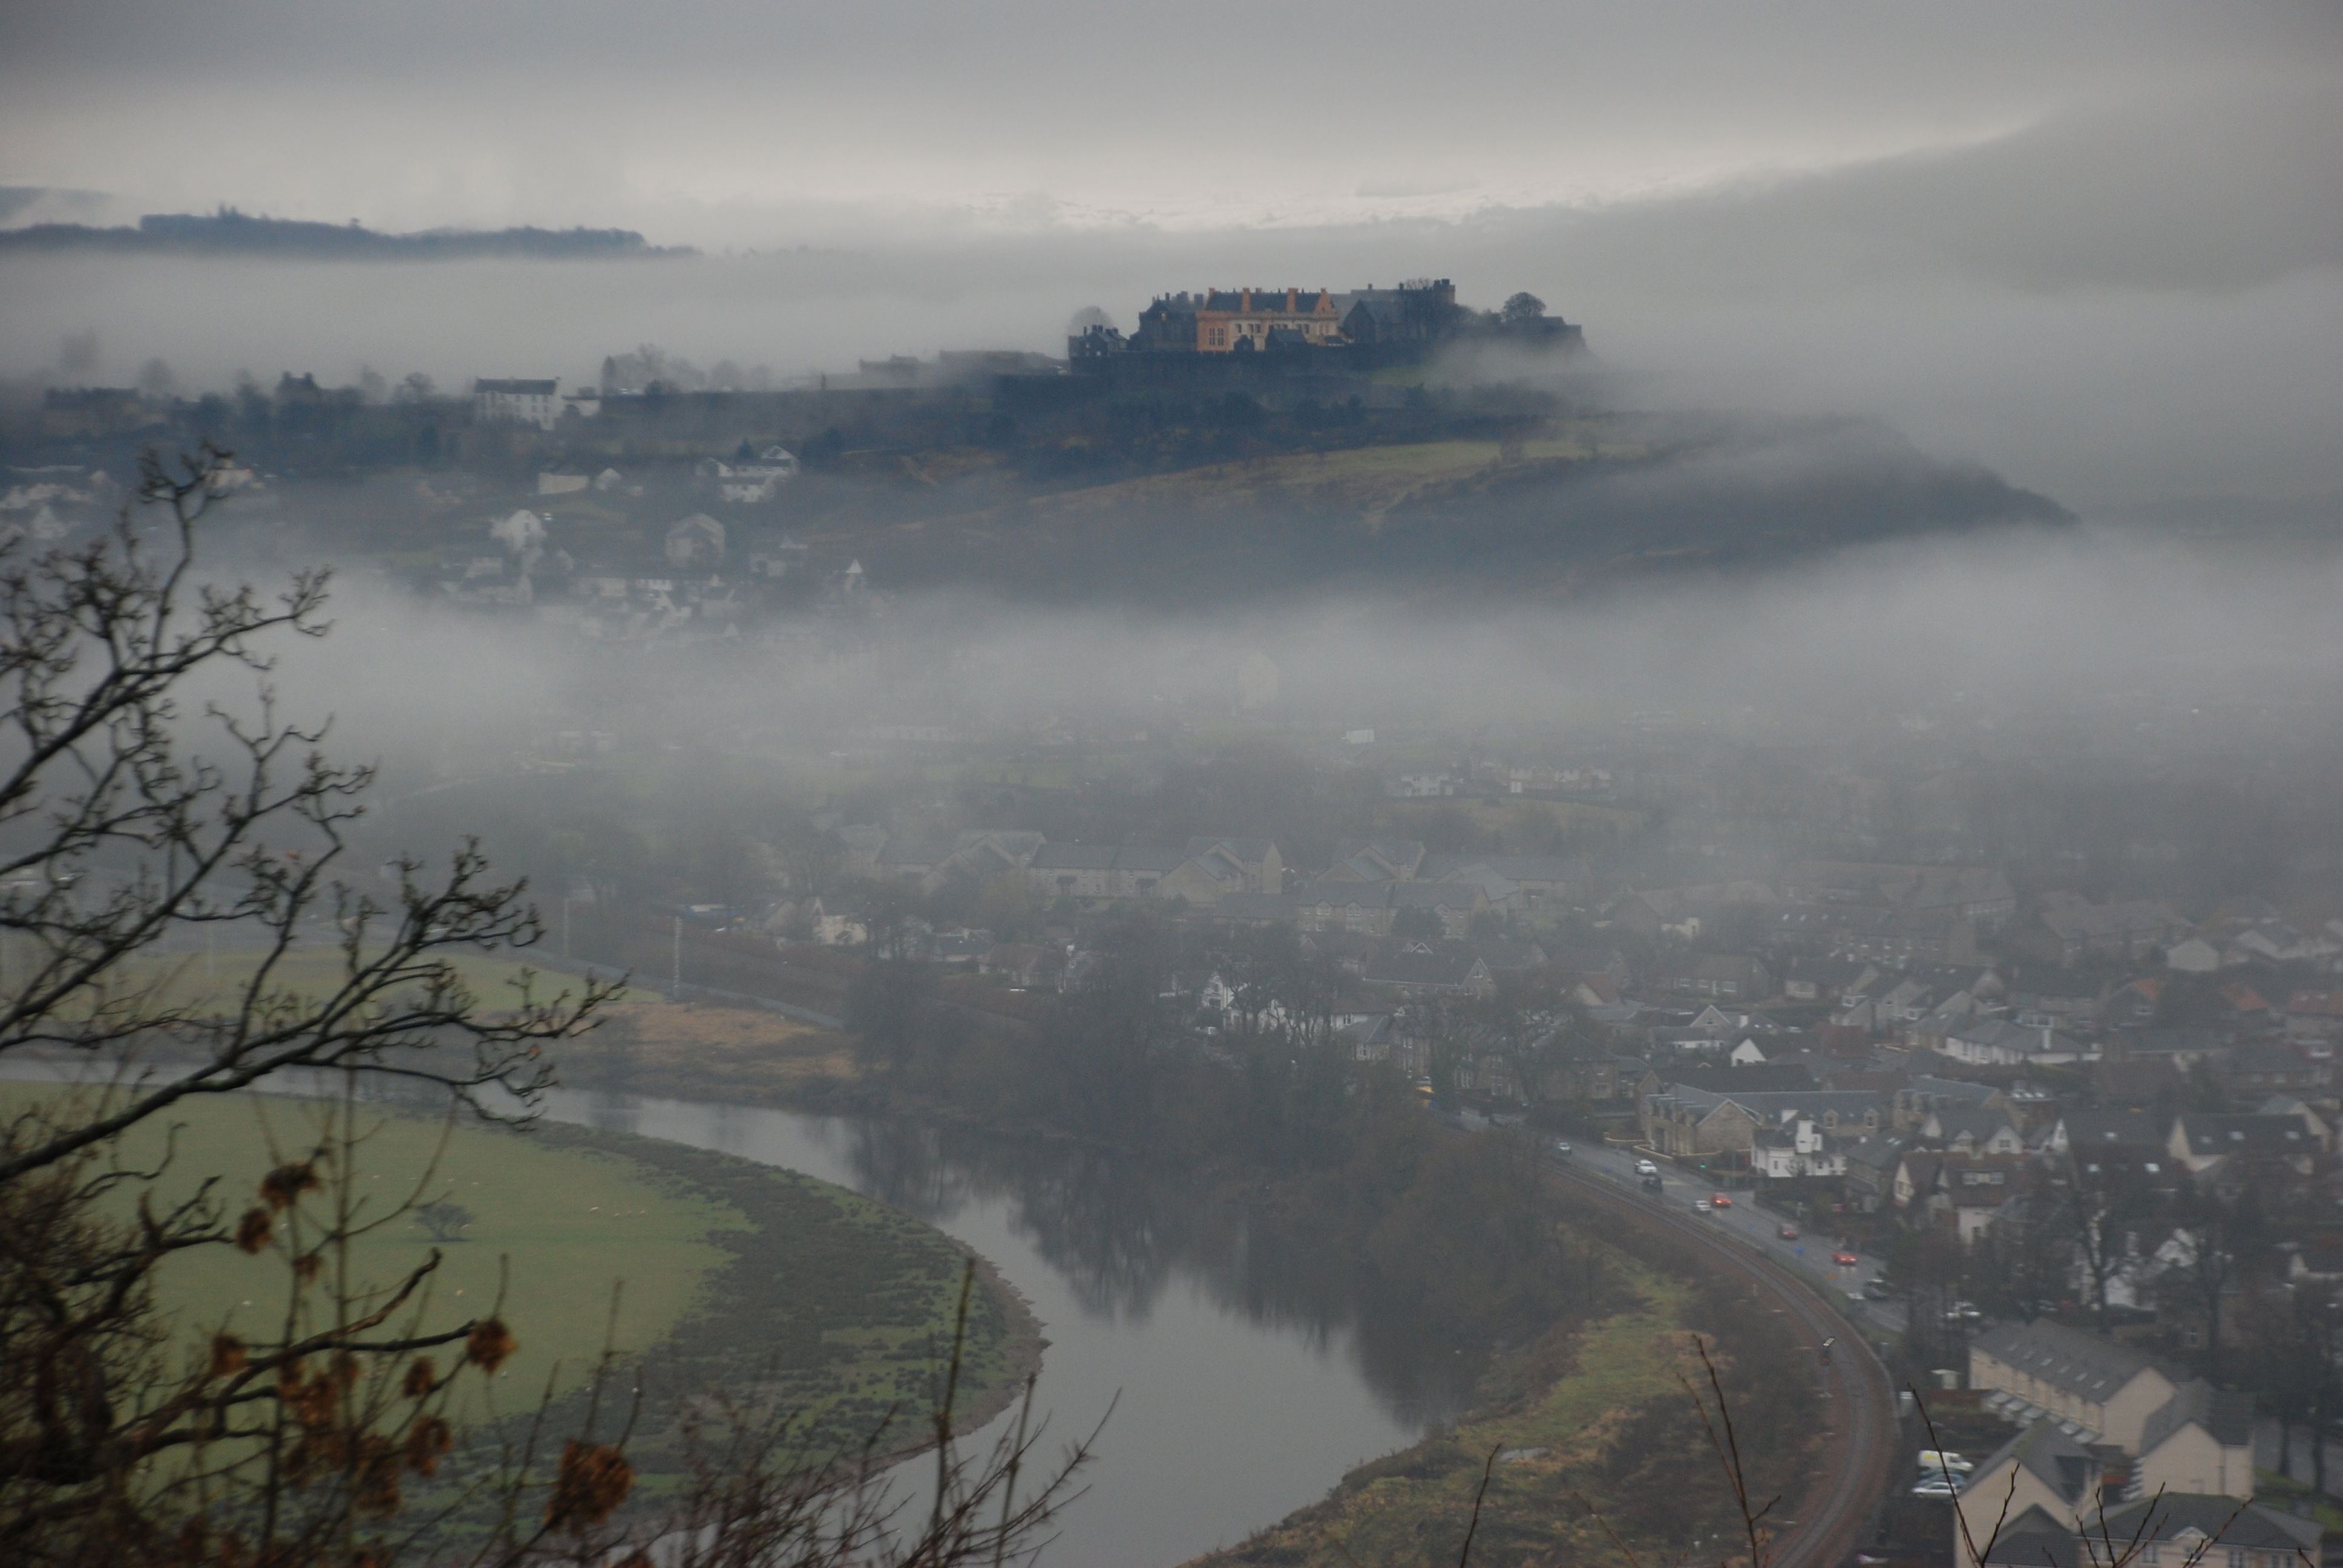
[[696, 1048]]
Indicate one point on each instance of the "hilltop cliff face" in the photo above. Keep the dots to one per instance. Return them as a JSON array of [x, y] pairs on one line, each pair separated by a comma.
[[1588, 504]]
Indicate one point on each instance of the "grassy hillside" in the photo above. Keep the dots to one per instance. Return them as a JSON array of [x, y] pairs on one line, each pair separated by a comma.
[[1578, 504]]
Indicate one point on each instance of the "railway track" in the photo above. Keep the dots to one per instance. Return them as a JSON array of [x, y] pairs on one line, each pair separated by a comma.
[[1853, 1470]]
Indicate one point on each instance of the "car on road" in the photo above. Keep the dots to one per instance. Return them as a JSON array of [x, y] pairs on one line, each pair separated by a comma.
[[1647, 1168], [1652, 1183], [1935, 1486], [1719, 1200], [1561, 1146], [1935, 1460], [1845, 1259], [1964, 1312], [1786, 1232]]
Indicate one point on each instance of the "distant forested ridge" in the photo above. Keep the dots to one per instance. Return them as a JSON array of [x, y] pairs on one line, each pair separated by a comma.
[[231, 233]]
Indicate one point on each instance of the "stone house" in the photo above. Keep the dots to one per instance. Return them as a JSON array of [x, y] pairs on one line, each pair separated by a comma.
[[1257, 859], [1870, 1168], [1533, 882], [2159, 1530], [2132, 1134], [1993, 1042], [2107, 1390], [2207, 1530], [1923, 1094], [1966, 1193], [1731, 977], [1201, 880], [2042, 1480], [1965, 1131], [1370, 907], [2201, 1142], [1080, 871], [1823, 980], [2068, 928], [1430, 968], [697, 541], [1683, 1118], [1138, 869], [2258, 1068], [2201, 1442], [1375, 861]]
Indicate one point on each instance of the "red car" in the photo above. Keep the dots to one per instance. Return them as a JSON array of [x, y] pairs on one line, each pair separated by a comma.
[[1845, 1260], [1719, 1200], [1787, 1232]]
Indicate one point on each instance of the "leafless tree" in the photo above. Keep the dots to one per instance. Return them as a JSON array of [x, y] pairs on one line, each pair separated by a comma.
[[118, 833], [127, 822]]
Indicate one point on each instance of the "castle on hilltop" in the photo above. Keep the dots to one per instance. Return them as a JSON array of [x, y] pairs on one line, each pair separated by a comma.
[[1365, 327]]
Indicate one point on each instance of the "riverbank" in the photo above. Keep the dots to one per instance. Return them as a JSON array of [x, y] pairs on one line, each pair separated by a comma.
[[1429, 1244], [1599, 1455], [830, 1306]]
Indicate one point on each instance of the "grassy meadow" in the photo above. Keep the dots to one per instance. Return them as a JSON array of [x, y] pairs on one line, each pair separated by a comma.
[[728, 1273], [563, 1226], [216, 980]]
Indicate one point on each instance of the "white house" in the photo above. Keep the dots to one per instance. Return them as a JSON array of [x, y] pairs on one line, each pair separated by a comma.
[[508, 402], [2196, 955]]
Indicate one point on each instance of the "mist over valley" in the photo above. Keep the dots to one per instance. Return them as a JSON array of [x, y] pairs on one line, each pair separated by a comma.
[[910, 787]]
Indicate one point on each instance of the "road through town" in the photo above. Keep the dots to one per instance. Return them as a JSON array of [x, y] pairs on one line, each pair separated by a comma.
[[1852, 1470]]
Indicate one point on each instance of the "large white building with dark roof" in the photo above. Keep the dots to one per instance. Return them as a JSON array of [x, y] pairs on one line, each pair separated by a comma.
[[504, 401]]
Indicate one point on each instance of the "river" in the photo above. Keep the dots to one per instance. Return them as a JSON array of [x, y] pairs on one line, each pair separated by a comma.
[[1242, 1385]]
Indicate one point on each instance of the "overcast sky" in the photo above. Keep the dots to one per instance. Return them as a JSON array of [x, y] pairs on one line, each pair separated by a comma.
[[2097, 246]]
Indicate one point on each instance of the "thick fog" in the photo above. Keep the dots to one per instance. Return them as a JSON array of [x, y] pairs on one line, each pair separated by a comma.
[[2154, 650], [2098, 248]]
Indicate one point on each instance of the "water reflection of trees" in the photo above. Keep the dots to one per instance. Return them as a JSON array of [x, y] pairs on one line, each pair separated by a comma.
[[1119, 1232]]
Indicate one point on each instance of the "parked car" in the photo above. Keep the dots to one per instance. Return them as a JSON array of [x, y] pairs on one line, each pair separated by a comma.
[[1561, 1146], [1845, 1259], [1647, 1168], [1877, 1290], [1719, 1200], [1964, 1312], [1935, 1486], [1945, 1460], [1788, 1233]]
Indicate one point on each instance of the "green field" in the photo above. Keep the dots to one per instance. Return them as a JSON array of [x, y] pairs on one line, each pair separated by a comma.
[[198, 980], [1372, 479], [570, 1223], [730, 1273]]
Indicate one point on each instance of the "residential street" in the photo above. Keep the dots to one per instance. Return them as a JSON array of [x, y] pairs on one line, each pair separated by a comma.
[[1758, 1225]]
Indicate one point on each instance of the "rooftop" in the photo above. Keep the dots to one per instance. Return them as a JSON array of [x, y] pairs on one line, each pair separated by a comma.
[[2083, 1364]]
